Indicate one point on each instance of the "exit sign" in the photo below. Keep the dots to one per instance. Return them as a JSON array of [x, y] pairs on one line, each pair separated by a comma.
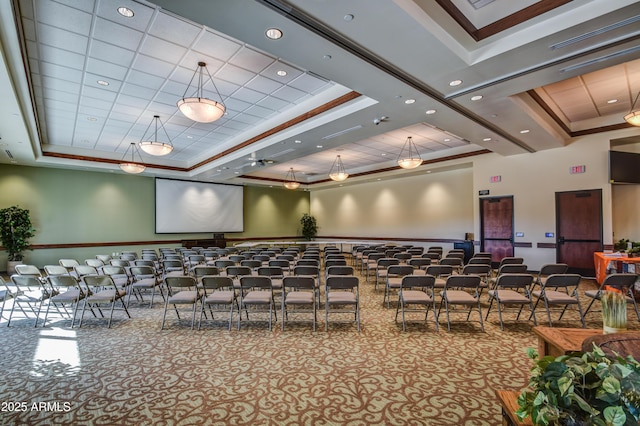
[[495, 179], [577, 169]]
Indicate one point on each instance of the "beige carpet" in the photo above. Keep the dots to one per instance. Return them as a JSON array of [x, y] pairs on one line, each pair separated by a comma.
[[134, 373]]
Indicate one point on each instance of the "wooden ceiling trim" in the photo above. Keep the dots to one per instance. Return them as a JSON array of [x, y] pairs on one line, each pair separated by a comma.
[[500, 25]]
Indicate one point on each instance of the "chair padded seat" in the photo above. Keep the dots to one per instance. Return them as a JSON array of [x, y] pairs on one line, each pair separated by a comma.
[[509, 296], [145, 283], [341, 297], [104, 296], [440, 282], [394, 282], [594, 294], [221, 297], [460, 297], [299, 298], [68, 296], [557, 297], [186, 297], [257, 297], [416, 297]]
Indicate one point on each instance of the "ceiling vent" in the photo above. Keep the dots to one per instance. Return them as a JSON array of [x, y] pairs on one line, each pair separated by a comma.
[[342, 132], [9, 154], [594, 33], [601, 59], [477, 4]]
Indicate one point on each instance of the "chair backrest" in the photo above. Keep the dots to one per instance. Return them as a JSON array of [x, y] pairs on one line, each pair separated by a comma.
[[484, 254], [308, 262], [399, 270], [385, 262], [237, 258], [342, 282], [270, 271], [172, 265], [453, 261], [514, 281], [562, 280], [223, 263], [255, 282], [432, 255], [52, 270], [479, 261], [105, 258], [281, 263], [28, 270], [418, 281], [119, 262], [512, 268], [416, 251], [96, 263], [59, 281], [180, 282], [68, 263], [462, 281], [403, 255], [261, 257], [335, 262], [216, 282], [26, 282], [253, 263], [238, 271], [103, 281], [306, 270], [621, 282], [553, 268], [439, 270], [143, 262], [85, 270], [201, 271], [373, 257], [196, 258], [340, 270], [298, 283], [435, 249], [419, 262], [142, 271], [511, 261], [288, 257], [476, 269], [113, 270]]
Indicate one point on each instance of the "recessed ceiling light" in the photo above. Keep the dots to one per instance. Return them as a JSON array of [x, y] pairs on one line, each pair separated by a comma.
[[447, 140], [237, 173], [318, 146], [273, 33], [281, 73], [524, 131], [430, 111], [384, 154], [486, 139], [476, 97], [326, 57], [410, 101], [92, 119], [612, 101], [189, 137], [455, 83], [219, 170], [126, 12], [428, 171], [348, 17], [297, 141], [103, 83]]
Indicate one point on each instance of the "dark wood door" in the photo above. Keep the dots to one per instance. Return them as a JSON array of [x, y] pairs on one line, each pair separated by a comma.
[[496, 227], [578, 229]]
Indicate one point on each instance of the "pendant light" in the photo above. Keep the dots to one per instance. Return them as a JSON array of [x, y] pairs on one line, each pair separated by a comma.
[[131, 166], [633, 117], [290, 180], [409, 157], [153, 146], [198, 108], [337, 171]]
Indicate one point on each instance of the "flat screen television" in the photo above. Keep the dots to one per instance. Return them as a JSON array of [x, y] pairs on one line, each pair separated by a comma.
[[624, 167]]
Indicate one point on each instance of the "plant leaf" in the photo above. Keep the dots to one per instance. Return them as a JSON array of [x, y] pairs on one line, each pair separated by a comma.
[[614, 416]]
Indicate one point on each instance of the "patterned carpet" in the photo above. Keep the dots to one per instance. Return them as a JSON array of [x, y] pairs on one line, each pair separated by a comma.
[[135, 373]]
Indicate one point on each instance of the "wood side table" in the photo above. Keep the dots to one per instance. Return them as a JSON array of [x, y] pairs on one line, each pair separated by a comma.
[[509, 403], [560, 341]]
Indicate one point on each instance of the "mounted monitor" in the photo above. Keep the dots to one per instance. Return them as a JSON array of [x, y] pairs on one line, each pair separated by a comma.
[[624, 167], [193, 207]]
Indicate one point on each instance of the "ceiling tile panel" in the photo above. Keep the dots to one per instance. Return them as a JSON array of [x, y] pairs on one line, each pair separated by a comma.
[[144, 80], [69, 98], [64, 17], [118, 35], [108, 10], [59, 72], [264, 85], [62, 57], [106, 69], [85, 5], [92, 80], [289, 94], [248, 95], [110, 53], [308, 83], [153, 66], [273, 103], [61, 39], [258, 111], [250, 59], [87, 102], [234, 75], [174, 30], [162, 49], [99, 93], [216, 46]]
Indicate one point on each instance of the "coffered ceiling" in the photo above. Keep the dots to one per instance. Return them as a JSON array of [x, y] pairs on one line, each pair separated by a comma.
[[82, 82]]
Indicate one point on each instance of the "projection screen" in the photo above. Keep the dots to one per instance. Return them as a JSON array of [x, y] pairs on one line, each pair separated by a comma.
[[189, 207]]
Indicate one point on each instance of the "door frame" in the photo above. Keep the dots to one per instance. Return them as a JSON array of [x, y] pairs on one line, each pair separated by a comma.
[[481, 199]]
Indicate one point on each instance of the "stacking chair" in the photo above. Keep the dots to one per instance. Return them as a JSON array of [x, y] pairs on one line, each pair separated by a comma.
[[342, 296], [372, 264], [440, 272], [479, 261], [193, 261], [54, 270], [434, 256], [462, 290], [275, 273], [416, 251], [172, 268], [419, 264], [68, 264], [181, 291], [223, 264], [395, 274], [381, 269], [96, 263], [297, 292], [508, 268], [218, 295], [101, 290], [104, 258], [68, 292], [81, 271], [403, 257], [560, 290], [254, 264], [284, 264], [201, 271], [512, 289], [622, 283], [255, 291], [119, 275], [509, 260], [416, 294], [30, 293], [310, 271], [455, 262], [308, 262], [145, 278], [235, 272], [482, 270], [28, 270]]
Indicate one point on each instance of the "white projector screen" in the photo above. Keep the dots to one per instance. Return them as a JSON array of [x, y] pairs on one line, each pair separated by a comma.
[[187, 207]]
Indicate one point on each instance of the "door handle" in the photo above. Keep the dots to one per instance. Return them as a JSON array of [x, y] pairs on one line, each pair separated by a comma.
[[561, 240]]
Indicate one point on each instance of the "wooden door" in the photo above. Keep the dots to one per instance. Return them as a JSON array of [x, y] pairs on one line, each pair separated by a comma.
[[496, 227], [578, 229]]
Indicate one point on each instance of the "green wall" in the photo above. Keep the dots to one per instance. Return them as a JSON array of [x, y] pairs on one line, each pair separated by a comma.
[[76, 207]]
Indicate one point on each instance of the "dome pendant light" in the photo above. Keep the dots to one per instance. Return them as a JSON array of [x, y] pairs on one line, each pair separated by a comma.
[[198, 108], [409, 157], [153, 146], [131, 166], [290, 180], [337, 171], [633, 117]]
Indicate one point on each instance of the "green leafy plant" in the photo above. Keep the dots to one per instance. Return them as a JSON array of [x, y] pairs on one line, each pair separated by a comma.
[[15, 231], [309, 227], [582, 389]]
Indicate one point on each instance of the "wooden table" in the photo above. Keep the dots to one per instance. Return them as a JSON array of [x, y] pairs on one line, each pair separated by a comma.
[[601, 260], [509, 403], [556, 341]]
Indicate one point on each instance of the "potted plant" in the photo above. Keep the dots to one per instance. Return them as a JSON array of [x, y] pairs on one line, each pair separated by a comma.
[[582, 389], [309, 227], [15, 231]]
